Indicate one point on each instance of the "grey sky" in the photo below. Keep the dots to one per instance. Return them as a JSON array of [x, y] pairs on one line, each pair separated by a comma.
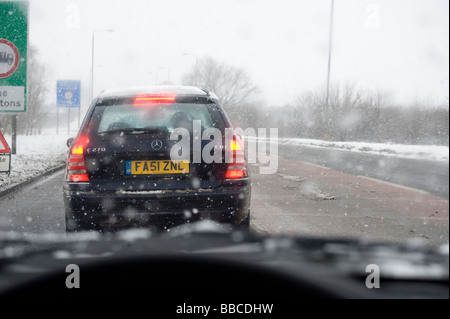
[[400, 46]]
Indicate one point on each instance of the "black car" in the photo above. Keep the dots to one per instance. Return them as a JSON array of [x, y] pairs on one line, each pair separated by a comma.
[[156, 156]]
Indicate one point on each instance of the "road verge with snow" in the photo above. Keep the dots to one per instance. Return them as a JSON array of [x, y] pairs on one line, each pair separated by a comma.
[[36, 155]]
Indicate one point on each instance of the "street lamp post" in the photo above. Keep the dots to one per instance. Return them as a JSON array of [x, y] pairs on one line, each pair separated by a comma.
[[330, 42], [92, 60]]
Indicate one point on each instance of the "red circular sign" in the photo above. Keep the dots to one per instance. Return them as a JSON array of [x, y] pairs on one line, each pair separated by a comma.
[[5, 57]]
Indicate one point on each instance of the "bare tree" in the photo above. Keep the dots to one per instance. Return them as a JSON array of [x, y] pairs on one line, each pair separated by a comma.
[[234, 87], [32, 121], [351, 114]]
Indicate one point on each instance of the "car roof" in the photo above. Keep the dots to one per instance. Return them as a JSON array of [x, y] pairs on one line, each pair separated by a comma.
[[157, 89]]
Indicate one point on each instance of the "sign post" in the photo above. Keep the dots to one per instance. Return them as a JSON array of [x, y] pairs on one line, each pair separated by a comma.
[[13, 59], [5, 156], [68, 96]]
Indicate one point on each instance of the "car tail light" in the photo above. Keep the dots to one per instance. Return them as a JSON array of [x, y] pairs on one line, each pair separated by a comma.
[[236, 172], [237, 167], [148, 99], [76, 166]]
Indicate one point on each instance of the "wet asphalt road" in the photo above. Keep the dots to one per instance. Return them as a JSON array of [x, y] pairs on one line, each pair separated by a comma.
[[309, 200], [36, 208], [300, 199], [430, 176]]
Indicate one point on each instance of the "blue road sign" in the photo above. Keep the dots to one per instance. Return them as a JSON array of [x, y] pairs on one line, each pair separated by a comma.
[[68, 93]]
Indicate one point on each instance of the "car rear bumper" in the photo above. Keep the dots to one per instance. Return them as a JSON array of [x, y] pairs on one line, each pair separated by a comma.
[[88, 209]]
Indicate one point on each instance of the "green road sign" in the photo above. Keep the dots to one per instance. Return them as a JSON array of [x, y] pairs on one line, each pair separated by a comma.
[[13, 56]]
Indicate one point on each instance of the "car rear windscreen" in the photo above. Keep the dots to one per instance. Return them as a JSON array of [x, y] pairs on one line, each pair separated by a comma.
[[160, 115]]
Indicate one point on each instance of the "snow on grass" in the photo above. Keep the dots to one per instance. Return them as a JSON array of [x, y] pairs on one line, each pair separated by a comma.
[[424, 152], [36, 154]]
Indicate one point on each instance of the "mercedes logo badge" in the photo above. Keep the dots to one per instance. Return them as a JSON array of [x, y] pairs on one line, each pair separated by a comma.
[[157, 145]]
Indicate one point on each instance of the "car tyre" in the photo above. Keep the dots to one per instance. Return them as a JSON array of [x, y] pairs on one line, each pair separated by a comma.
[[245, 224]]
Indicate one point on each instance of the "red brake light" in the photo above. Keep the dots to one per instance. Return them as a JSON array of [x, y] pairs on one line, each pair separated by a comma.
[[79, 178], [236, 171], [146, 99], [237, 167], [76, 166]]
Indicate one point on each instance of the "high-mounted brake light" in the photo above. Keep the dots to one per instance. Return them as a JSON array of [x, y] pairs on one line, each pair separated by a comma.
[[238, 166], [146, 99], [76, 166]]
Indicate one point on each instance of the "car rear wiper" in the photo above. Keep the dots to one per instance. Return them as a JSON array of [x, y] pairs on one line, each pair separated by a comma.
[[133, 131]]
